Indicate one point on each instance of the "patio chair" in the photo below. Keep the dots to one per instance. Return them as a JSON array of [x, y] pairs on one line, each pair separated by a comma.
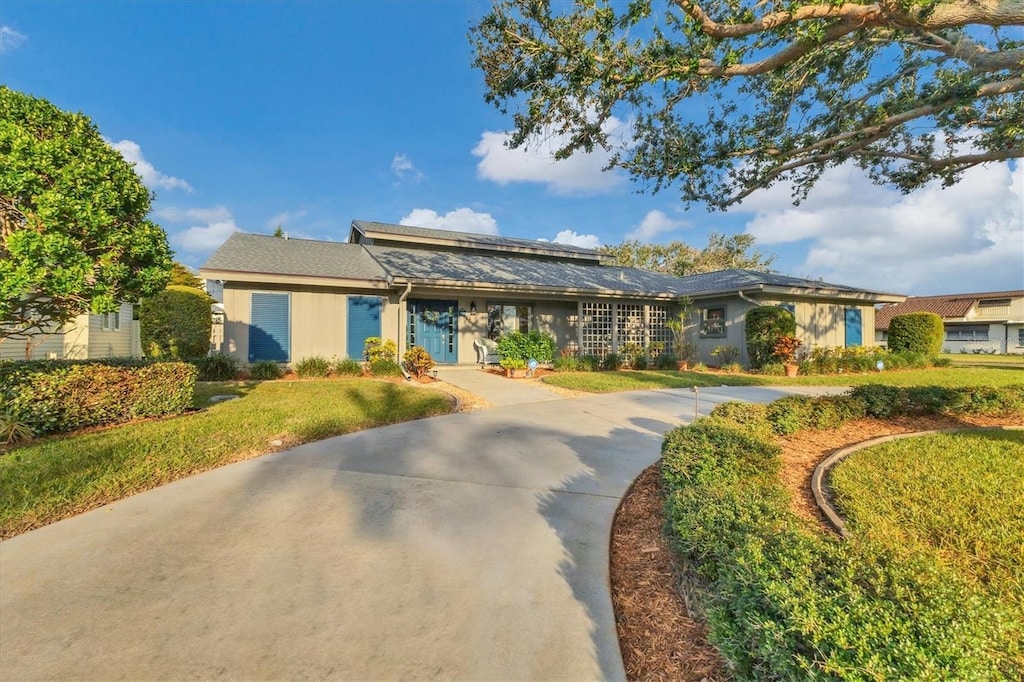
[[486, 352]]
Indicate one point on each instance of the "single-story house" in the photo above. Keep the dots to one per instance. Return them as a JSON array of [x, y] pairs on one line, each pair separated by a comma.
[[87, 337], [286, 299], [991, 321]]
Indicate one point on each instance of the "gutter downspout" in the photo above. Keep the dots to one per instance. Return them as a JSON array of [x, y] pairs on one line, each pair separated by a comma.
[[748, 299], [401, 337]]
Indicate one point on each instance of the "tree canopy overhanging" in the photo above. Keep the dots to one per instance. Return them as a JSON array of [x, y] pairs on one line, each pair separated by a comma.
[[722, 97], [74, 236], [680, 259]]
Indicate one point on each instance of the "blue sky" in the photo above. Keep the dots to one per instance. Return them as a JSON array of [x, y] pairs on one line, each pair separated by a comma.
[[245, 116]]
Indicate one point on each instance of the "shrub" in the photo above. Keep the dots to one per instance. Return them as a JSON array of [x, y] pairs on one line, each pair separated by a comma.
[[175, 324], [417, 361], [512, 363], [65, 396], [749, 416], [612, 362], [726, 355], [665, 362], [567, 361], [881, 401], [376, 348], [531, 346], [917, 333], [639, 362], [764, 325], [265, 370], [774, 369], [733, 368], [216, 367], [12, 429], [791, 414], [314, 366], [590, 363], [348, 367], [383, 367], [785, 348]]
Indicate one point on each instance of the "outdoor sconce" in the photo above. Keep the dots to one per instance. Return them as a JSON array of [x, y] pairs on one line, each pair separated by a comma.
[[472, 307]]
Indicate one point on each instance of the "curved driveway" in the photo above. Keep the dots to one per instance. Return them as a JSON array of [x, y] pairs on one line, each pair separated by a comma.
[[469, 546]]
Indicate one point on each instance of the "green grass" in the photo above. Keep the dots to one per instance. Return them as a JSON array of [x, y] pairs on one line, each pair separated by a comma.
[[960, 496], [51, 479], [207, 389], [972, 360], [610, 382]]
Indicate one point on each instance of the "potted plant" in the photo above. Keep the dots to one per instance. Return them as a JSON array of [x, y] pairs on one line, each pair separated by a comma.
[[684, 352], [514, 367], [785, 350]]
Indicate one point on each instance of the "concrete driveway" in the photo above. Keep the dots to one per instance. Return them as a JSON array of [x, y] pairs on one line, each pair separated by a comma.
[[469, 546]]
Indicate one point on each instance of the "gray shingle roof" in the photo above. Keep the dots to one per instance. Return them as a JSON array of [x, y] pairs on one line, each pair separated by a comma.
[[478, 268], [471, 239], [274, 255], [736, 279]]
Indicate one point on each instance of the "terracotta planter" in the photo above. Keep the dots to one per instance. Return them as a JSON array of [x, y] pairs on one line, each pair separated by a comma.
[[792, 369], [514, 373], [682, 365]]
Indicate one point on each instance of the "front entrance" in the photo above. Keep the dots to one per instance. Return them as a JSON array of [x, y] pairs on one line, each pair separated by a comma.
[[434, 325], [854, 333]]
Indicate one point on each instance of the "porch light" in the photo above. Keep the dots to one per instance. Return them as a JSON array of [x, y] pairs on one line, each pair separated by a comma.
[[472, 307]]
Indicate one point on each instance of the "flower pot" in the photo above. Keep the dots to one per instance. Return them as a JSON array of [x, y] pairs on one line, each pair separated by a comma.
[[792, 369], [682, 365]]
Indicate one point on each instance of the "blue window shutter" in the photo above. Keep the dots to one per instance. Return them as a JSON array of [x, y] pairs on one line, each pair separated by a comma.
[[270, 328], [363, 322]]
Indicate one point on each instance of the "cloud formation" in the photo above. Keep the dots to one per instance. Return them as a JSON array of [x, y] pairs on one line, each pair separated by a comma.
[[215, 225], [404, 169], [655, 223], [535, 161], [152, 178], [572, 238], [284, 218], [968, 237], [459, 220], [10, 40]]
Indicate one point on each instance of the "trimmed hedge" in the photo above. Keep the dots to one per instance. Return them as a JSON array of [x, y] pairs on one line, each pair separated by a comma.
[[534, 345], [786, 602], [61, 396], [916, 333], [764, 325], [175, 324]]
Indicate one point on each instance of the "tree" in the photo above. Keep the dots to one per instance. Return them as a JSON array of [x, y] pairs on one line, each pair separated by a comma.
[[74, 236], [677, 258], [279, 231], [182, 276], [723, 97], [175, 324]]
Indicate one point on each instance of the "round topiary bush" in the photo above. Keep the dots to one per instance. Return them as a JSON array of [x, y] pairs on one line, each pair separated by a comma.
[[764, 326], [175, 324], [916, 333]]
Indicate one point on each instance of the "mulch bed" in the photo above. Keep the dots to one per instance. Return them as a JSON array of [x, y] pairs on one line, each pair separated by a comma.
[[660, 635]]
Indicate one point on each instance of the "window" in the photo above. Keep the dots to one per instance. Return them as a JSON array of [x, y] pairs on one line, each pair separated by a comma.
[[994, 303], [596, 328], [507, 317], [270, 327], [712, 322], [972, 332], [1020, 337], [111, 321]]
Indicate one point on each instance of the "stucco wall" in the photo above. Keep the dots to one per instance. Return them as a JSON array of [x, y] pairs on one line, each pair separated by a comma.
[[735, 316]]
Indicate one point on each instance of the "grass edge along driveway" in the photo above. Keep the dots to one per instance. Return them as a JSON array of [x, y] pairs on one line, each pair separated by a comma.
[[51, 479]]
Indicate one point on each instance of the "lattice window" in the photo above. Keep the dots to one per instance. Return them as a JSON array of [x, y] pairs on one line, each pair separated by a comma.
[[596, 328], [659, 337], [629, 322]]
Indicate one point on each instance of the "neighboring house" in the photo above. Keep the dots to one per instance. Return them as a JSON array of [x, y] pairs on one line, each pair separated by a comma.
[[286, 299], [88, 337], [988, 322]]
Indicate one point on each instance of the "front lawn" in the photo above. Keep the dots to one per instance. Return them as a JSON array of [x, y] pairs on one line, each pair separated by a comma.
[[984, 359], [951, 377], [48, 480]]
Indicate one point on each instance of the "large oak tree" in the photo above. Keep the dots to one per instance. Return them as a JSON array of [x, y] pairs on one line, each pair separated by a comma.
[[74, 237], [680, 259], [722, 97]]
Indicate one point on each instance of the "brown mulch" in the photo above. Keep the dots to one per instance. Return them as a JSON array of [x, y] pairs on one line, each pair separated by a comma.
[[661, 636]]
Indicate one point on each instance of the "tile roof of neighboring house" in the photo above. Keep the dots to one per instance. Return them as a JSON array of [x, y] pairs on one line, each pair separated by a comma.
[[304, 257], [470, 240], [946, 306], [512, 270], [736, 279]]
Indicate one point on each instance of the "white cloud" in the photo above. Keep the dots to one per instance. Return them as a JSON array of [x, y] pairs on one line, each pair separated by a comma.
[[285, 217], [969, 237], [153, 178], [654, 224], [10, 39], [200, 240], [586, 241], [404, 169], [460, 220], [581, 173]]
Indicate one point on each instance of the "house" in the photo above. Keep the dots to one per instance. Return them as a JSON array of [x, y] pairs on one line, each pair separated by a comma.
[[991, 322], [286, 299], [111, 335]]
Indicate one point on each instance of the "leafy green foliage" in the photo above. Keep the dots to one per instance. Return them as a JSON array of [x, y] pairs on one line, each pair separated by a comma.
[[67, 198], [265, 370], [764, 326], [916, 333], [383, 367], [376, 348], [534, 345], [348, 367], [175, 324], [676, 258], [726, 355], [612, 362], [313, 367], [216, 367], [417, 361], [61, 396], [12, 429], [909, 92], [181, 276]]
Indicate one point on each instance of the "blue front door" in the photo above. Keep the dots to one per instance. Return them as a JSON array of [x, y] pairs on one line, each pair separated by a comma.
[[854, 334], [434, 326]]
